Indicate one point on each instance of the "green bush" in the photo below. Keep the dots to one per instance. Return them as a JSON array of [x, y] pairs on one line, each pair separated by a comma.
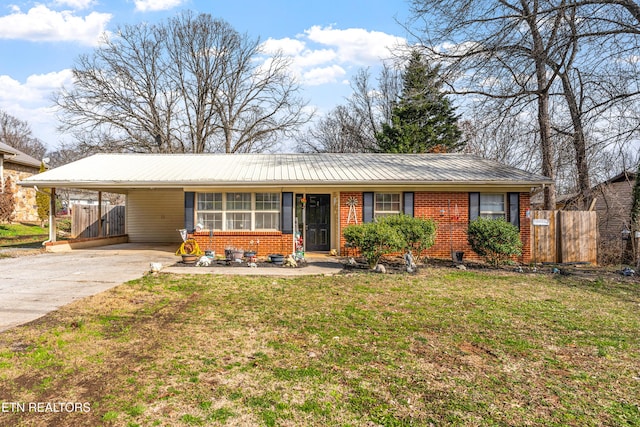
[[43, 198], [419, 234], [374, 239], [7, 202], [494, 239]]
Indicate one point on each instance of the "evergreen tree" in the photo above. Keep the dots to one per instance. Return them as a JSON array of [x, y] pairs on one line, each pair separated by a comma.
[[423, 119], [7, 201], [43, 198]]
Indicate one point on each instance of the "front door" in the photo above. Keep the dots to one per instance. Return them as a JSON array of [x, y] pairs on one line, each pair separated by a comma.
[[318, 222]]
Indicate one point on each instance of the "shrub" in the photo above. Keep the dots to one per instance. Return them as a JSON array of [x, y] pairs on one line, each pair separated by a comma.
[[419, 234], [43, 198], [494, 239], [374, 239], [7, 201]]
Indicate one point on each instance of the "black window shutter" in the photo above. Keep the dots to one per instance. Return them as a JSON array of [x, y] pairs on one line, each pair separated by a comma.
[[474, 206], [189, 205], [287, 213], [407, 203], [367, 207], [514, 208]]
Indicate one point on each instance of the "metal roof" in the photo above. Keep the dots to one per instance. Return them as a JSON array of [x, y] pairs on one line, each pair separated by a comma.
[[18, 157], [193, 170]]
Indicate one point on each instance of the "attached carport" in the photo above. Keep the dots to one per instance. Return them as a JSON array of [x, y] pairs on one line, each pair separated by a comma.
[[154, 210]]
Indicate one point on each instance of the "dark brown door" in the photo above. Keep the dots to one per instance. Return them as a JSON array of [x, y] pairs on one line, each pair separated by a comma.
[[318, 222]]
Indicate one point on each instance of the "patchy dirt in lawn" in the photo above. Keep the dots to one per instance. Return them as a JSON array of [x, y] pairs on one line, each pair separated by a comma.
[[442, 347]]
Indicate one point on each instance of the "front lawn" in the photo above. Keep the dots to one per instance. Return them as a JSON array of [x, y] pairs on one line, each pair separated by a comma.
[[19, 229], [443, 348]]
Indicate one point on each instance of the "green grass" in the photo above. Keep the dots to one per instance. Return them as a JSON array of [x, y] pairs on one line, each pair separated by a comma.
[[18, 229], [442, 348]]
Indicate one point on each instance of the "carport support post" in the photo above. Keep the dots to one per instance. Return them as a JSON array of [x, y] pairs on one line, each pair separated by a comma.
[[99, 213], [52, 216]]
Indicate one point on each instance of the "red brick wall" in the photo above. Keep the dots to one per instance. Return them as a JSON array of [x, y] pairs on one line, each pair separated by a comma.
[[450, 211], [264, 242]]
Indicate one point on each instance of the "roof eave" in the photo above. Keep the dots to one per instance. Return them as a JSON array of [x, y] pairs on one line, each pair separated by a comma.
[[276, 183]]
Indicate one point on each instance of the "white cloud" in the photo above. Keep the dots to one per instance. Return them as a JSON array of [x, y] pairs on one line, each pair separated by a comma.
[[75, 4], [35, 90], [156, 5], [318, 76], [356, 45], [287, 46], [31, 101], [43, 24], [323, 55]]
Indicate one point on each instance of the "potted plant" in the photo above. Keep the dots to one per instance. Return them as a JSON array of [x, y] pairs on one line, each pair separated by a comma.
[[277, 259], [190, 251]]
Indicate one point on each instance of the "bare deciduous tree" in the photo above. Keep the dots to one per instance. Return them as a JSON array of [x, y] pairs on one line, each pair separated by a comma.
[[566, 63], [352, 127], [18, 134], [190, 84]]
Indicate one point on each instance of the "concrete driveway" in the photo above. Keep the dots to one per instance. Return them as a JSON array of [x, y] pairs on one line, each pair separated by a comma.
[[32, 286]]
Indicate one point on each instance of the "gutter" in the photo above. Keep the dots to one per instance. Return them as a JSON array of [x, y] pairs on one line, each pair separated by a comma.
[[94, 185]]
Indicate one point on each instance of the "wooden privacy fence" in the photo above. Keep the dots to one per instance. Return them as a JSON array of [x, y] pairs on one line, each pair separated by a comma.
[[84, 221], [564, 236]]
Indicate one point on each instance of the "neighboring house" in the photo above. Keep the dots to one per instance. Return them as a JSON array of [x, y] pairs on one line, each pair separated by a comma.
[[613, 200], [19, 166], [265, 201], [71, 197]]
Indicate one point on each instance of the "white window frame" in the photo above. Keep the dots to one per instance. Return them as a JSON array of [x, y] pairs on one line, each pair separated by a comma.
[[493, 214], [379, 213], [243, 211], [209, 211], [266, 211], [252, 211]]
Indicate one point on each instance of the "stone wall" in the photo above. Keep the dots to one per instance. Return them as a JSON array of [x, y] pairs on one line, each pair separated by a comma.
[[26, 206]]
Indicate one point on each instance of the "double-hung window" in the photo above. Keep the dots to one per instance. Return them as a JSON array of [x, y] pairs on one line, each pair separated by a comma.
[[267, 215], [238, 211], [209, 208], [493, 205], [387, 204]]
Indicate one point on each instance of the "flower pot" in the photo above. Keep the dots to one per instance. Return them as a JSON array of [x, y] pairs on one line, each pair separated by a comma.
[[277, 258], [189, 259], [457, 256], [236, 255], [250, 254]]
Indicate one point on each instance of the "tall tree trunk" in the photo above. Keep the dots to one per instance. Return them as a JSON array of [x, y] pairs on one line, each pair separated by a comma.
[[544, 121], [579, 143]]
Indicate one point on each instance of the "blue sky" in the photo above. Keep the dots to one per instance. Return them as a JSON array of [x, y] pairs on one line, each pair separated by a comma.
[[327, 40]]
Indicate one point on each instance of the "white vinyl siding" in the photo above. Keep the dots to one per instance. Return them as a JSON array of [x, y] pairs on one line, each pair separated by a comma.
[[154, 216]]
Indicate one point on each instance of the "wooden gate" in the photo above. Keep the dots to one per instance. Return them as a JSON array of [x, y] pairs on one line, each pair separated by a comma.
[[564, 236], [84, 221]]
